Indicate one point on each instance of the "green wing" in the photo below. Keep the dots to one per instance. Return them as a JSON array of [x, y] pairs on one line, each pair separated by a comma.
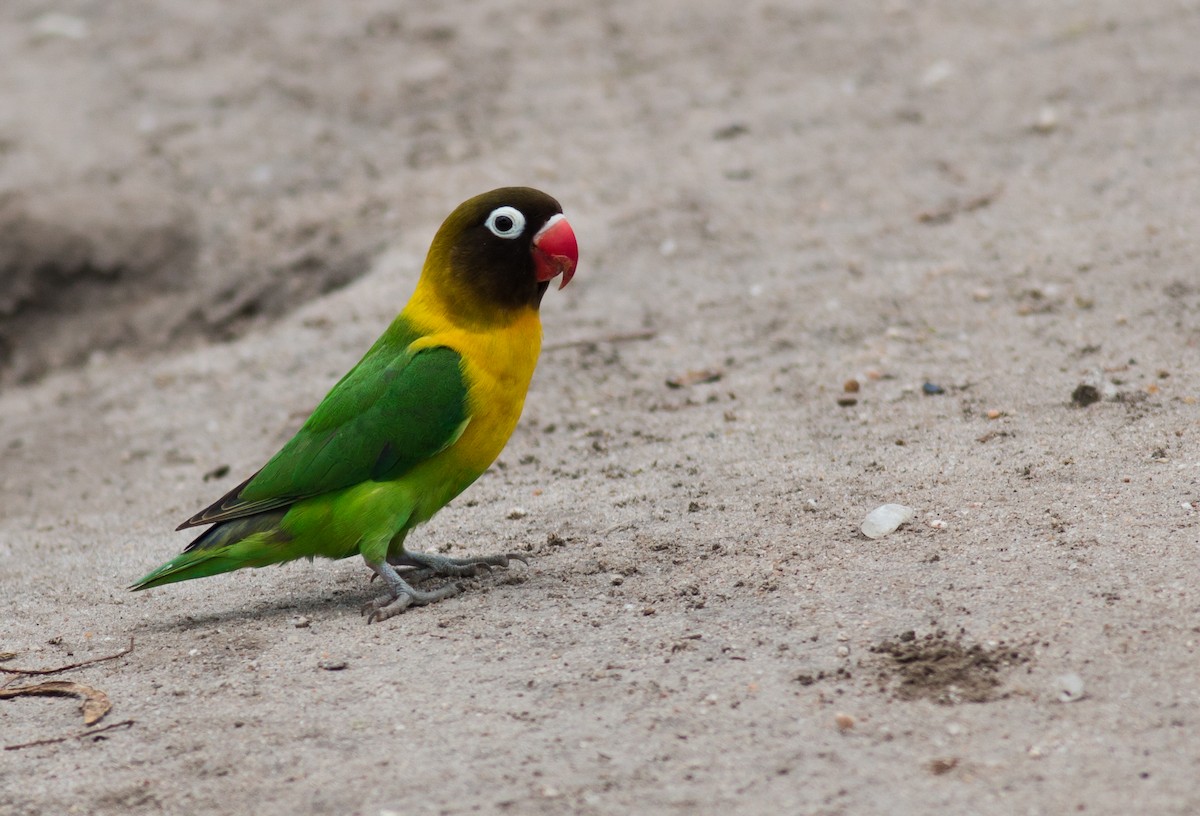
[[389, 413]]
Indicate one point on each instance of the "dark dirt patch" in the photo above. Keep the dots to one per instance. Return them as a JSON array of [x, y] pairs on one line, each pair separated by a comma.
[[103, 268], [73, 266], [1085, 394], [940, 668]]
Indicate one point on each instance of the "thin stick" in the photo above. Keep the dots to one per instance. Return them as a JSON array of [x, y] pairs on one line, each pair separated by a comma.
[[954, 208], [84, 735], [80, 664], [623, 337]]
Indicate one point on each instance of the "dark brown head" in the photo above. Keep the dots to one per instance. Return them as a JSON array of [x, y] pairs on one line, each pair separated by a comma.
[[497, 253]]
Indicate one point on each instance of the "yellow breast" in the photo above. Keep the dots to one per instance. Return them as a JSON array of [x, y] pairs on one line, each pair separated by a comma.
[[498, 364]]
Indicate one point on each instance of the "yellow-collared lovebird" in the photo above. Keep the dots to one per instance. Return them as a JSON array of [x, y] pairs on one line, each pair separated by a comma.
[[418, 419]]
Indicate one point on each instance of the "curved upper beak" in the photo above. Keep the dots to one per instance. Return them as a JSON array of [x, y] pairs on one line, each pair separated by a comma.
[[555, 251]]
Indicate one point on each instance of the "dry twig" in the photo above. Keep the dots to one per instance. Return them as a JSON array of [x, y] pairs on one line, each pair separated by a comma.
[[80, 664], [955, 207], [622, 337], [95, 702], [84, 735]]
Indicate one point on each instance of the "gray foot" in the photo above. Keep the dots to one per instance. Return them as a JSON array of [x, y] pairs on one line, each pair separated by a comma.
[[400, 595], [425, 565]]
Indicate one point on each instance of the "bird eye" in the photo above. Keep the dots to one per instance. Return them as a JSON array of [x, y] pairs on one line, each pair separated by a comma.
[[505, 222]]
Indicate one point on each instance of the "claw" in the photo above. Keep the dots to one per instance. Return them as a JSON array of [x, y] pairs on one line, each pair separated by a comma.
[[394, 606], [417, 566], [400, 595], [391, 609], [371, 607]]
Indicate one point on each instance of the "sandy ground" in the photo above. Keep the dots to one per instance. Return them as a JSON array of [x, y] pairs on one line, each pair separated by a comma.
[[209, 210]]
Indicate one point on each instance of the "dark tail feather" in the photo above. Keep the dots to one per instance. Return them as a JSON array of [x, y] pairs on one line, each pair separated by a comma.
[[231, 532]]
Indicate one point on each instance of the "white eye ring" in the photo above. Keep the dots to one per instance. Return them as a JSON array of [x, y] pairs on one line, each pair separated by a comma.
[[506, 222]]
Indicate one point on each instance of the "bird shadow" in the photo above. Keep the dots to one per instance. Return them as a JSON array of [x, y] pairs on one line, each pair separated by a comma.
[[317, 602], [313, 602]]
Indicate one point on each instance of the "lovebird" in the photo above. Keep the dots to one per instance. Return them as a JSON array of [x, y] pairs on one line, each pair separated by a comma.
[[420, 417]]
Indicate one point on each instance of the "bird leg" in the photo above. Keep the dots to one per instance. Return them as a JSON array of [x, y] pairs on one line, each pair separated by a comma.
[[426, 565], [400, 595]]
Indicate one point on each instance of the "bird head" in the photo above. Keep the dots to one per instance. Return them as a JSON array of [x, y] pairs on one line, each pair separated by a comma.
[[497, 253]]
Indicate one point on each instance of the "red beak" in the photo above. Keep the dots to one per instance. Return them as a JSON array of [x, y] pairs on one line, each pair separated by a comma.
[[555, 251]]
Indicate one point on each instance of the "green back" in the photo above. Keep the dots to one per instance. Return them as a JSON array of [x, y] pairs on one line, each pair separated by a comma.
[[390, 412], [376, 424]]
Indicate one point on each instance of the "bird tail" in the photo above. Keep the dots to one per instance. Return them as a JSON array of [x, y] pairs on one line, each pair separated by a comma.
[[254, 541]]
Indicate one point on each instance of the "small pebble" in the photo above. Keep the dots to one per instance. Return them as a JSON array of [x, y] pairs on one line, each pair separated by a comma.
[[932, 389], [300, 622], [1070, 688], [517, 513], [885, 519], [937, 767], [994, 414], [844, 721], [731, 131], [331, 665], [937, 73], [1047, 120], [56, 24], [842, 651], [850, 386], [847, 401]]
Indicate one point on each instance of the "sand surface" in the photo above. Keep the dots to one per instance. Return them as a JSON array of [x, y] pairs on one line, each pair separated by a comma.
[[209, 210]]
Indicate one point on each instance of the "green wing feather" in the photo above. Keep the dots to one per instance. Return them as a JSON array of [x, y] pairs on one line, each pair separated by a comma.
[[389, 413]]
